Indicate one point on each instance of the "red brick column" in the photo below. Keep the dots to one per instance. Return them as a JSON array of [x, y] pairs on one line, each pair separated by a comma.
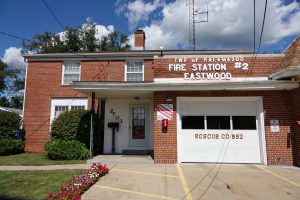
[[165, 142], [295, 101]]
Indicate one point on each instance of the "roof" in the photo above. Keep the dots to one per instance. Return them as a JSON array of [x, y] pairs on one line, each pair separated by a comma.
[[121, 55], [15, 110]]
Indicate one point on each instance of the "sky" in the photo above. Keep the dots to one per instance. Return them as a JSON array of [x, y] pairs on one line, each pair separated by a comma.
[[165, 22]]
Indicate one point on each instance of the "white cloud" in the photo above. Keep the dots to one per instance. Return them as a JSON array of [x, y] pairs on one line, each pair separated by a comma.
[[12, 57], [137, 11], [101, 30], [230, 24]]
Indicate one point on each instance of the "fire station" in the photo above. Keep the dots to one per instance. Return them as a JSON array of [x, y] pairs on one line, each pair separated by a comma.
[[180, 105]]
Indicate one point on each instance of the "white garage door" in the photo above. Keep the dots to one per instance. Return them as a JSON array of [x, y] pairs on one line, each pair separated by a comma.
[[222, 130]]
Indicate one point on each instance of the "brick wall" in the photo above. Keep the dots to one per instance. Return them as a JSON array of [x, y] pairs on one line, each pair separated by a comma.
[[295, 100], [276, 106], [262, 67], [43, 82]]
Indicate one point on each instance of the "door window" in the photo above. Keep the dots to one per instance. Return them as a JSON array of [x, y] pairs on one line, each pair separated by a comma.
[[138, 122], [218, 122]]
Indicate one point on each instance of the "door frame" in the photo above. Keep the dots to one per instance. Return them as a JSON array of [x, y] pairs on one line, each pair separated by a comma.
[[259, 115], [132, 143]]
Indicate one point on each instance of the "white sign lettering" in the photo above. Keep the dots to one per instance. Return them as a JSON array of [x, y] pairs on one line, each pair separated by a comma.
[[211, 68]]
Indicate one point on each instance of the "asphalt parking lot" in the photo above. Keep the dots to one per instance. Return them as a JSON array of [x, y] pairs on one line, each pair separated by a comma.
[[197, 181]]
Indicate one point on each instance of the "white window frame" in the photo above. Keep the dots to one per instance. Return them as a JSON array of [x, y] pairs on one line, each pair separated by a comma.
[[66, 102], [63, 71], [143, 69]]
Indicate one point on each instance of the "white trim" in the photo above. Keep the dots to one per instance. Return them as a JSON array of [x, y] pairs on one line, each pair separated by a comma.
[[125, 69], [182, 80], [178, 123], [287, 72], [23, 112], [152, 86], [260, 114], [63, 70], [262, 134], [147, 125]]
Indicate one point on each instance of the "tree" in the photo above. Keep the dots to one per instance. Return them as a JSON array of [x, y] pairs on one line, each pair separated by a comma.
[[5, 72], [88, 32], [16, 102], [115, 41], [74, 39], [4, 101], [45, 43]]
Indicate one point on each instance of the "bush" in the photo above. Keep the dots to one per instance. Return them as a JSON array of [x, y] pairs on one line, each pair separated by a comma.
[[72, 125], [11, 146], [80, 184], [69, 150], [9, 122]]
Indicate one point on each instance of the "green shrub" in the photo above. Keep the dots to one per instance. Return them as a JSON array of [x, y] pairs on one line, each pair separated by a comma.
[[72, 125], [69, 150], [9, 122], [11, 146]]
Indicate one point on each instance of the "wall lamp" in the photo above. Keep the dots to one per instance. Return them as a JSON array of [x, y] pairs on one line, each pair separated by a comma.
[[161, 50]]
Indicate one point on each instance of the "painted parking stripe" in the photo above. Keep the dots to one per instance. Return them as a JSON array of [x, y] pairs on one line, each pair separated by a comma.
[[278, 176], [184, 184], [135, 192], [145, 173]]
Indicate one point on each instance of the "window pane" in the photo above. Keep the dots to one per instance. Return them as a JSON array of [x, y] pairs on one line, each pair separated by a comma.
[[69, 78], [192, 122], [72, 67], [134, 66], [218, 122], [77, 107], [244, 122], [59, 110], [135, 77]]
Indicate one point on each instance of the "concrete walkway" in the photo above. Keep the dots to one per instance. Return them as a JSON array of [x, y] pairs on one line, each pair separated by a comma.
[[109, 160], [45, 167], [122, 159], [197, 181]]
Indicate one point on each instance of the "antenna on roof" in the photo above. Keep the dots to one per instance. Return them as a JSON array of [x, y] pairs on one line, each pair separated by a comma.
[[193, 14]]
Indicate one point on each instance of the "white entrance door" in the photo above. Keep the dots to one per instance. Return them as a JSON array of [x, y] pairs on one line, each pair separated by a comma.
[[138, 126], [219, 131]]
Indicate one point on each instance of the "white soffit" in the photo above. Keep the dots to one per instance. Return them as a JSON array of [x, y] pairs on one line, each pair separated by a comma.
[[184, 86]]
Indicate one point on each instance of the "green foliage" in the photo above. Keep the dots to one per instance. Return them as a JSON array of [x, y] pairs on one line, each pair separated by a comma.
[[77, 39], [72, 125], [10, 146], [4, 101], [9, 122], [73, 42], [5, 72], [16, 102], [114, 41], [69, 150], [45, 43]]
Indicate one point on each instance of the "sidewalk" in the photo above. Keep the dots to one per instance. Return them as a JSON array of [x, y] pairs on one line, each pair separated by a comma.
[[44, 167]]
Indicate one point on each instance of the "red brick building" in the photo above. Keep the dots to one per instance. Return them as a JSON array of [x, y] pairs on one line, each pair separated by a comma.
[[185, 106]]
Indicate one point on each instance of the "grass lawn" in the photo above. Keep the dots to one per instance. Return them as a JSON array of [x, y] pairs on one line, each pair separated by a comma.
[[34, 159], [33, 185]]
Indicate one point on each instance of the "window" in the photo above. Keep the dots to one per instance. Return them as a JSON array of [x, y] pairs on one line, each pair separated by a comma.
[[244, 122], [218, 122], [60, 105], [71, 72], [192, 122], [134, 71], [59, 110], [77, 107]]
